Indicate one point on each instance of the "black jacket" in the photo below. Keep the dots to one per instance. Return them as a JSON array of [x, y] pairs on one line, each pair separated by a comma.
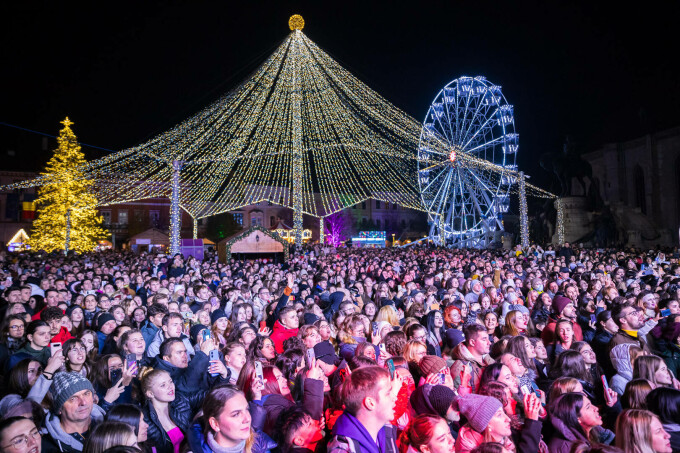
[[312, 400], [182, 411], [192, 378]]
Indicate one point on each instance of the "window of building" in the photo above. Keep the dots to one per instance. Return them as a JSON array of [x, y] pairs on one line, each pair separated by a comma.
[[238, 218], [377, 223], [377, 204], [272, 221], [154, 218], [123, 217], [403, 223], [107, 217], [394, 206], [363, 205]]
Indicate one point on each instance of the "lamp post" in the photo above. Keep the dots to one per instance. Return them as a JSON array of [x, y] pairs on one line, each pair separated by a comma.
[[392, 239]]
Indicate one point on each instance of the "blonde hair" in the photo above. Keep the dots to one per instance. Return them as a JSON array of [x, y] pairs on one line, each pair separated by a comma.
[[147, 376], [348, 325], [387, 314], [633, 431], [562, 385], [645, 367], [410, 350]]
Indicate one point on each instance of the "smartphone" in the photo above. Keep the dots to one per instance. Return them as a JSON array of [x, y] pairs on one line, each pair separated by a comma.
[[382, 348], [310, 357], [131, 359], [54, 347], [665, 312], [374, 328], [206, 334], [525, 390], [390, 368], [593, 319], [442, 377], [604, 382], [214, 355], [116, 375], [258, 371]]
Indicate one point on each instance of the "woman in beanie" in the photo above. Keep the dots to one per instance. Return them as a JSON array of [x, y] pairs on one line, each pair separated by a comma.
[[427, 434], [219, 326], [486, 422]]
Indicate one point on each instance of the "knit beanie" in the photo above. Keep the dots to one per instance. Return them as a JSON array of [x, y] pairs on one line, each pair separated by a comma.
[[217, 314], [8, 402], [64, 386], [559, 302], [103, 319], [194, 331], [431, 364], [478, 410], [325, 352], [310, 318], [453, 337], [441, 398]]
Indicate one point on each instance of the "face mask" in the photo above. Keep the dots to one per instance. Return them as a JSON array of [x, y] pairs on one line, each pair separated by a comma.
[[539, 288]]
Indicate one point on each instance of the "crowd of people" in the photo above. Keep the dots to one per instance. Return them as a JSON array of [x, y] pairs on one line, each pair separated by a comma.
[[409, 350]]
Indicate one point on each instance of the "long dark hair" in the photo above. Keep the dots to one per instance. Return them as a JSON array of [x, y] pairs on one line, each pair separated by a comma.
[[289, 362], [567, 408], [665, 402], [490, 373], [99, 375], [70, 344], [570, 363], [255, 349], [4, 328], [17, 382], [125, 413], [429, 323], [517, 347]]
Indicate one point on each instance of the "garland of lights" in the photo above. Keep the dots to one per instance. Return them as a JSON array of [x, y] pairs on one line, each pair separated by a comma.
[[247, 232], [560, 221], [523, 212], [302, 132]]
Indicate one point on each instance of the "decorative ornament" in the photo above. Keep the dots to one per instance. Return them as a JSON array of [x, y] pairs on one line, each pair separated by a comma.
[[296, 22]]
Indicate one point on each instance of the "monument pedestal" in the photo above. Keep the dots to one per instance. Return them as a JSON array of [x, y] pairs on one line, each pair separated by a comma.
[[576, 218]]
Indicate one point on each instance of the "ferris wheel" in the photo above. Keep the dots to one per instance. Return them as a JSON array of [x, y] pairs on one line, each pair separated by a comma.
[[466, 162]]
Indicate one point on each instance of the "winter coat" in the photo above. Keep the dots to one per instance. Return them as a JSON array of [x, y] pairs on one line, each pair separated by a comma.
[[27, 352], [182, 411], [193, 377], [62, 336], [281, 334], [674, 431], [148, 330], [563, 437], [199, 444], [56, 440], [461, 358], [548, 334], [622, 337], [620, 358], [312, 401], [153, 348], [349, 435], [671, 355], [600, 346]]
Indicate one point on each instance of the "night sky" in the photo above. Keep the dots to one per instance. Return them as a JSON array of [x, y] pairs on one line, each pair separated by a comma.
[[126, 71]]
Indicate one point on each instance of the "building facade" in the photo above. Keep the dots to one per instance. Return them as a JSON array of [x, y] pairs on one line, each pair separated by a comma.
[[640, 180]]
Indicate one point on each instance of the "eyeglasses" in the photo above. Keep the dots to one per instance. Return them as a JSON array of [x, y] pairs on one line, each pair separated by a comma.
[[421, 338], [20, 443], [17, 327]]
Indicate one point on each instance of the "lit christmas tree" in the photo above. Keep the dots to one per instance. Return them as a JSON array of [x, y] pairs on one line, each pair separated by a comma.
[[67, 207]]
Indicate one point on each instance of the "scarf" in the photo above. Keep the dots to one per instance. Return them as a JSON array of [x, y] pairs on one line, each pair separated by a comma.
[[217, 448]]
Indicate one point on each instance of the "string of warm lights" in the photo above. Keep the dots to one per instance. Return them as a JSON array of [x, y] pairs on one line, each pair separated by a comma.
[[560, 220], [300, 132], [523, 213]]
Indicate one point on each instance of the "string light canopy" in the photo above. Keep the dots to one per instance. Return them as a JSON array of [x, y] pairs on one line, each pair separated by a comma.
[[301, 132]]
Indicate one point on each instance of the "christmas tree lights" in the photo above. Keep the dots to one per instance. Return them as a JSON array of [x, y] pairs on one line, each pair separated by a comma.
[[301, 132], [67, 208]]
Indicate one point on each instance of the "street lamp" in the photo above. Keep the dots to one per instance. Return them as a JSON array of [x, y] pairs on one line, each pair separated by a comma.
[[392, 239]]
